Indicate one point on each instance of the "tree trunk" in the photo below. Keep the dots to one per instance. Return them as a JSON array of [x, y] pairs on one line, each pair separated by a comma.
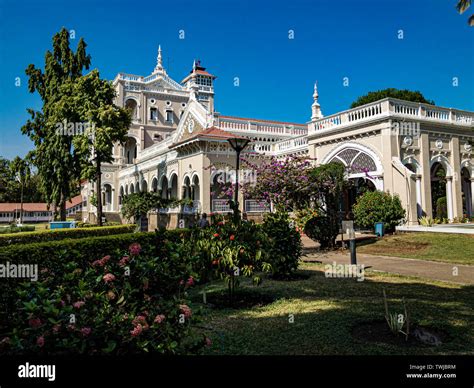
[[62, 208], [99, 194], [21, 205]]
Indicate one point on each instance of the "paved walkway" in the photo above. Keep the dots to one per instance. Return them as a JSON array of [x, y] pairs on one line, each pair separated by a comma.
[[409, 267]]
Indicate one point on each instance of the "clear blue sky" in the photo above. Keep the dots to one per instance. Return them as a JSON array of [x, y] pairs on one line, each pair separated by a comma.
[[249, 39]]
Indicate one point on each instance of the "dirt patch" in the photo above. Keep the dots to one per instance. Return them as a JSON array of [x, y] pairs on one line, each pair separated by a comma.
[[242, 300], [396, 246], [379, 332], [293, 277]]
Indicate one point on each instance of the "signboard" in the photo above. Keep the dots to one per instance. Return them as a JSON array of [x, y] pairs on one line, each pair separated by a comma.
[[143, 224]]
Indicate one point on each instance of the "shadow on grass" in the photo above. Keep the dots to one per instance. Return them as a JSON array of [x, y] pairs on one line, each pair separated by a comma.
[[318, 315]]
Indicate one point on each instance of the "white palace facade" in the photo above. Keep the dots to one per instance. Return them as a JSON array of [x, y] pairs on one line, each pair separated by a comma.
[[177, 144]]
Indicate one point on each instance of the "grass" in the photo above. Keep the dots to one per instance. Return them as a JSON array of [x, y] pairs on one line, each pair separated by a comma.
[[443, 247], [325, 311]]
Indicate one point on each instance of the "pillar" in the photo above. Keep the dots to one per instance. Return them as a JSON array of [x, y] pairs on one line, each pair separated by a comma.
[[449, 197]]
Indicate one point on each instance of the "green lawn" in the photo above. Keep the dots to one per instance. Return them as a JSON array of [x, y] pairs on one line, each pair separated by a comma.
[[325, 311], [444, 247]]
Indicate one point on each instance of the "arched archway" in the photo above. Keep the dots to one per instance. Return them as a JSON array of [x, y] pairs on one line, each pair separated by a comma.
[[196, 195], [467, 184], [130, 150], [107, 198], [144, 186], [164, 187], [154, 185], [121, 195], [174, 186], [186, 188], [132, 106], [364, 170], [441, 189]]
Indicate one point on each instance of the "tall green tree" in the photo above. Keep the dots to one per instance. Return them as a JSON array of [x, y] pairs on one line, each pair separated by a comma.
[[20, 169], [402, 94], [57, 161], [107, 125], [462, 6]]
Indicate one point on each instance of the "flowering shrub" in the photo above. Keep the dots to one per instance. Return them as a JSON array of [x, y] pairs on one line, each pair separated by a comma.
[[378, 206], [229, 250], [123, 304], [284, 248]]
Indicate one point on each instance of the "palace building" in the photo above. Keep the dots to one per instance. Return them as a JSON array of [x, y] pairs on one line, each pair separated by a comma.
[[177, 146]]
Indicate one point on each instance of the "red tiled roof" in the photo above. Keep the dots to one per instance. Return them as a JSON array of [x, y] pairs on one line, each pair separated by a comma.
[[74, 201], [211, 133], [27, 207], [36, 206], [260, 120]]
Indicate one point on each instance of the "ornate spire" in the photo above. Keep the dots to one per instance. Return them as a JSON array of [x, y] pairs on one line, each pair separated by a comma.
[[316, 108], [315, 94], [159, 62]]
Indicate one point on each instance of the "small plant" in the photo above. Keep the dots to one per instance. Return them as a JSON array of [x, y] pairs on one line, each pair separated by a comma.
[[396, 322], [427, 221]]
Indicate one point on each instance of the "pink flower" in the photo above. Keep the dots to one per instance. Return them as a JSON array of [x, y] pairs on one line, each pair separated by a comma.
[[101, 262], [185, 310], [124, 261], [140, 320], [63, 303], [85, 331], [34, 322], [56, 328], [79, 304], [190, 281], [159, 318], [208, 342], [135, 249], [136, 331], [40, 341], [108, 277]]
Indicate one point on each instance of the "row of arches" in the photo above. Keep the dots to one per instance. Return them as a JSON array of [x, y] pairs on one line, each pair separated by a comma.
[[166, 186]]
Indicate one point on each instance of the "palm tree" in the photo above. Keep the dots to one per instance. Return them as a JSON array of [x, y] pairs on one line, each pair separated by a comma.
[[462, 6]]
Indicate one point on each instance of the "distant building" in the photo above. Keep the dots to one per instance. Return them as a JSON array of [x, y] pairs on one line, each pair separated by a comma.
[[177, 146], [36, 212]]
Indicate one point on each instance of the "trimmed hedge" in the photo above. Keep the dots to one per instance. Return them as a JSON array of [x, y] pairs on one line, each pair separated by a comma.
[[82, 250], [60, 234], [16, 229]]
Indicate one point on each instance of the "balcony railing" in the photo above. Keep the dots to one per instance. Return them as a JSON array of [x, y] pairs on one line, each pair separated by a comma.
[[393, 108]]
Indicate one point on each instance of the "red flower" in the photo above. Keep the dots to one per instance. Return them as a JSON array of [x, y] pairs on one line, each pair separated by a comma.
[[215, 262], [232, 238], [135, 249], [216, 234], [190, 281], [34, 322], [40, 341], [108, 277], [185, 310]]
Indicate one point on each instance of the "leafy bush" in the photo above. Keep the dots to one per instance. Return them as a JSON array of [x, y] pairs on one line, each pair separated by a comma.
[[323, 230], [126, 303], [303, 216], [59, 234], [442, 207], [284, 244], [378, 206]]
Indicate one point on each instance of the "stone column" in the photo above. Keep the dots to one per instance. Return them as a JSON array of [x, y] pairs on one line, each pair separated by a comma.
[[419, 200], [449, 197], [457, 188], [425, 174]]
